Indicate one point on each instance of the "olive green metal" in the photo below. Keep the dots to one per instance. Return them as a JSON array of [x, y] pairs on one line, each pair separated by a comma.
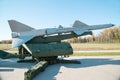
[[6, 55], [50, 49], [49, 39], [35, 70], [64, 61]]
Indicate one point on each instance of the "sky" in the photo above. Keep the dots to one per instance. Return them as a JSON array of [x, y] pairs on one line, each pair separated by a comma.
[[41, 14]]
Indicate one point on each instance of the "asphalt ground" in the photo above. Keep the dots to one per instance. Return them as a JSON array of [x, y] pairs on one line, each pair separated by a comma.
[[80, 51], [91, 68]]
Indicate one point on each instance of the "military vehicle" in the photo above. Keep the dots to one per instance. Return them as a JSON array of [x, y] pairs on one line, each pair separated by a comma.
[[45, 44]]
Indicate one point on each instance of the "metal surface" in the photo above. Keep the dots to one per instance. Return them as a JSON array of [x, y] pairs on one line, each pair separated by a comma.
[[35, 70], [6, 55], [51, 49]]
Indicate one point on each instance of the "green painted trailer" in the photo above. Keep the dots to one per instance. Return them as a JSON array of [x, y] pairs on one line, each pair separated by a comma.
[[43, 50], [51, 49]]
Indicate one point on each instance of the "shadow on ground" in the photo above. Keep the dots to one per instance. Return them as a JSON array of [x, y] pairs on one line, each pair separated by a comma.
[[12, 63], [52, 70]]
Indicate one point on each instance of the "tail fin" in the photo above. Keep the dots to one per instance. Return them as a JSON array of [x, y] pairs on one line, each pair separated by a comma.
[[18, 27], [77, 23]]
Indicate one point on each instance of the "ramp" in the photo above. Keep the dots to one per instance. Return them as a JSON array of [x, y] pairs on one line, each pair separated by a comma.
[[6, 55]]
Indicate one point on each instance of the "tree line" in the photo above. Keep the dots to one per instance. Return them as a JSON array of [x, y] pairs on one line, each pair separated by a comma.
[[110, 35], [5, 41]]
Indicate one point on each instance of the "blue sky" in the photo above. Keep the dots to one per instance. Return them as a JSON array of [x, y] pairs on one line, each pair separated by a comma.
[[51, 13]]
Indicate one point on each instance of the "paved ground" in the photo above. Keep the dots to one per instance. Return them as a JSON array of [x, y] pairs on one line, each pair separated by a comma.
[[92, 68], [98, 51]]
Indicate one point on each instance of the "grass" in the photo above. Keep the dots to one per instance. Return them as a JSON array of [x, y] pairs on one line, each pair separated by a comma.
[[96, 46], [97, 54], [7, 47]]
